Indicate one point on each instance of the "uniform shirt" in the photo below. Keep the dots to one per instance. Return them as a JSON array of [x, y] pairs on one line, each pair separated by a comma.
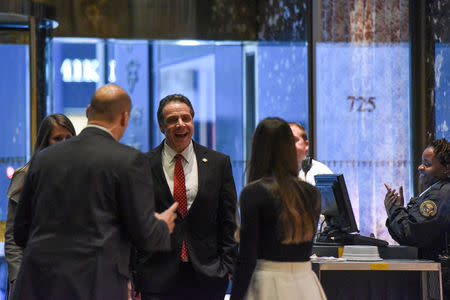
[[424, 221], [189, 163], [316, 169]]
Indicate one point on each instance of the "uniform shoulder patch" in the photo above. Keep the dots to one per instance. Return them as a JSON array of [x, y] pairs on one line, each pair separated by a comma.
[[428, 208]]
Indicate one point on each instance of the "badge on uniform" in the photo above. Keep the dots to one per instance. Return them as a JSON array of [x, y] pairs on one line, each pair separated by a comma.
[[428, 208]]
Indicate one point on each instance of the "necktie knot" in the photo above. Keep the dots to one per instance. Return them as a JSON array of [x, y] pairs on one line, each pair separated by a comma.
[[178, 157]]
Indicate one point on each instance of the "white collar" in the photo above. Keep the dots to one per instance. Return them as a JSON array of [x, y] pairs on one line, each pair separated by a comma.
[[187, 153], [429, 188], [100, 127]]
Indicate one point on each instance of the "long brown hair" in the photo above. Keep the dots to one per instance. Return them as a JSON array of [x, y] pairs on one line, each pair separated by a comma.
[[43, 136], [273, 155]]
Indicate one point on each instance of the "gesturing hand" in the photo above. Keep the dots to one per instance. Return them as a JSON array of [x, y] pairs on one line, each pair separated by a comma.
[[169, 216], [393, 198]]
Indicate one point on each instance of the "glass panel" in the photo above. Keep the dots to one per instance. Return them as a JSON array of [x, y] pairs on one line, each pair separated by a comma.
[[78, 70], [442, 80], [80, 66], [210, 75], [128, 66], [440, 16], [363, 101], [282, 80], [14, 113]]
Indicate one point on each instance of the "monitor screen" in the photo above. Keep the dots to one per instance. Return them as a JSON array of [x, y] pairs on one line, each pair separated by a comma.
[[336, 205]]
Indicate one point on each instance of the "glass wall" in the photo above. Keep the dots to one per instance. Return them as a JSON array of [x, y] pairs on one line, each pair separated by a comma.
[[440, 16], [78, 70], [80, 66], [363, 102], [442, 81], [216, 76], [127, 65], [282, 82], [14, 134]]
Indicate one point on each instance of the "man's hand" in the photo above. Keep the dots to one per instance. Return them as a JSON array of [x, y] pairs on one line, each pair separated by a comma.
[[393, 198], [169, 216], [133, 295]]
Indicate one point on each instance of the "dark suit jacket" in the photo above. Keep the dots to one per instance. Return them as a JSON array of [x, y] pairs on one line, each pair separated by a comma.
[[83, 203], [208, 227]]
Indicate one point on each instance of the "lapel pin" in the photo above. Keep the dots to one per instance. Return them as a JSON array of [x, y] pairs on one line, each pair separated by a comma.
[[204, 159]]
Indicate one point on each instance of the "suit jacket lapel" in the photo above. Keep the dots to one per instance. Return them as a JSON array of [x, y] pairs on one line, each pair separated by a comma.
[[202, 168], [158, 175]]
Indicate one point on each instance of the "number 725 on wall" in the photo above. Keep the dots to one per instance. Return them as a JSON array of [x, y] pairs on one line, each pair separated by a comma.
[[365, 105]]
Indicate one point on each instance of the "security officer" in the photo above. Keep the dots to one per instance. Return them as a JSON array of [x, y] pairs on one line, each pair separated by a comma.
[[425, 221]]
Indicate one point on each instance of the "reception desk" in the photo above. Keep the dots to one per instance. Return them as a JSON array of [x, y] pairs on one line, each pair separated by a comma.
[[386, 279]]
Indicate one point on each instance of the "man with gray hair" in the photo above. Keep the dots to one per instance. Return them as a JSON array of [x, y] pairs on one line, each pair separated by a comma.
[[200, 263]]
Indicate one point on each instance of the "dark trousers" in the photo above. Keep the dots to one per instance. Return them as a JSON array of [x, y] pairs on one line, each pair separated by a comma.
[[190, 286]]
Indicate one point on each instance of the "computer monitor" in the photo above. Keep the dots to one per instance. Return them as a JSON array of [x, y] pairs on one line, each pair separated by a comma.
[[341, 225], [336, 205]]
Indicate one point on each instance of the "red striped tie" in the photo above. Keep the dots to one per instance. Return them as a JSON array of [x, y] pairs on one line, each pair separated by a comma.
[[179, 194]]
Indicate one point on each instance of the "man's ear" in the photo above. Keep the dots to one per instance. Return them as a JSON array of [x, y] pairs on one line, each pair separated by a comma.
[[125, 116], [162, 129], [88, 108], [307, 146]]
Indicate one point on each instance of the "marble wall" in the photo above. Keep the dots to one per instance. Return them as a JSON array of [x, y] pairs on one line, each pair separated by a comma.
[[282, 20], [381, 21]]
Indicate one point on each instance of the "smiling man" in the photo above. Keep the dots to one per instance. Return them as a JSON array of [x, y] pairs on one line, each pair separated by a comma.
[[201, 181]]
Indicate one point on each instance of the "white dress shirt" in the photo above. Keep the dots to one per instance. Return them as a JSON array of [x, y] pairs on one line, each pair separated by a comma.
[[316, 169], [189, 163]]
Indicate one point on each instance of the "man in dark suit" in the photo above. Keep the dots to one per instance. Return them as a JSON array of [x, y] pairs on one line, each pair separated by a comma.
[[201, 181], [83, 203]]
